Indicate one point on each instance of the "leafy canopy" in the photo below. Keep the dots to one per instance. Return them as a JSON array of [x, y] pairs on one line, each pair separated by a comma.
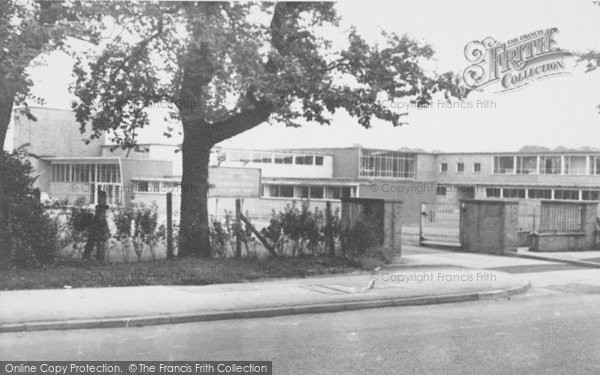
[[218, 61]]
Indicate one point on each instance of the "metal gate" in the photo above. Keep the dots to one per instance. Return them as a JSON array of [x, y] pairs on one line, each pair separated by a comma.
[[440, 223]]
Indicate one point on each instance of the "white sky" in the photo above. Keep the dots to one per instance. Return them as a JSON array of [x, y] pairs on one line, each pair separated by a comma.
[[554, 111]]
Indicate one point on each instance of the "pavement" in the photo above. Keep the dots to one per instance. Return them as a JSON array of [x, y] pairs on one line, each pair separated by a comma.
[[432, 280], [588, 258]]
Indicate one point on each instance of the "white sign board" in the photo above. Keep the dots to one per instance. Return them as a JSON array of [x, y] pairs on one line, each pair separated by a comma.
[[225, 182]]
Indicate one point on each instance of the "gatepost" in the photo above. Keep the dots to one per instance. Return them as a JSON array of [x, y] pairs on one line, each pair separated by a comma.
[[489, 226], [372, 227]]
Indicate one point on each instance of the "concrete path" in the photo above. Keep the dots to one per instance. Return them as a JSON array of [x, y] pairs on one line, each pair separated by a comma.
[[590, 258], [146, 305]]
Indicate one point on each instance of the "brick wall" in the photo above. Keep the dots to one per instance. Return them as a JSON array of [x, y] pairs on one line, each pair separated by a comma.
[[488, 226]]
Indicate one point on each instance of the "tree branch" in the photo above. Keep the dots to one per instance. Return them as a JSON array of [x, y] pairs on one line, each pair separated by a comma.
[[240, 122]]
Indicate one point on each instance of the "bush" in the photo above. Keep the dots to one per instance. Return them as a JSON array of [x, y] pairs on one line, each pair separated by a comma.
[[27, 233], [137, 225], [301, 228]]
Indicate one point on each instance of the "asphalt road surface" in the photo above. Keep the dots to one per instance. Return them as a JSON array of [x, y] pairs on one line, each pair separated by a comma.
[[553, 329]]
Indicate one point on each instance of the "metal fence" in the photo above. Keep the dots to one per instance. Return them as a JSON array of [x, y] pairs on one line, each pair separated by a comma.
[[560, 217]]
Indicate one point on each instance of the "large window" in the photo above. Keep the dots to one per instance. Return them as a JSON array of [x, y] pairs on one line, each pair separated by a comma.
[[504, 164], [566, 194], [390, 164], [513, 193], [86, 173], [526, 164], [575, 164], [550, 164], [281, 191], [539, 194], [477, 167], [444, 167], [317, 192], [460, 167], [492, 192], [595, 165], [590, 195]]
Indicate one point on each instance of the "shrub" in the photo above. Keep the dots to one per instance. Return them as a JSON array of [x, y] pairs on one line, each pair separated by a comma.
[[301, 228], [28, 235]]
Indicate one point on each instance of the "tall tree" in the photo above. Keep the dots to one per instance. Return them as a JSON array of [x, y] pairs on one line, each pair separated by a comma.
[[229, 67]]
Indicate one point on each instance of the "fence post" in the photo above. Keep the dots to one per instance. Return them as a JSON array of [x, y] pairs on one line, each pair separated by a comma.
[[98, 230], [238, 225], [421, 216], [170, 225], [329, 226], [36, 197]]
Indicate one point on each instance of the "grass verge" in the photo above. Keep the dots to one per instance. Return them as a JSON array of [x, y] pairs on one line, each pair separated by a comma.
[[186, 271]]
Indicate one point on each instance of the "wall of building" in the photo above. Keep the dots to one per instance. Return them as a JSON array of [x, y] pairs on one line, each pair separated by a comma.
[[426, 167], [142, 168], [486, 176], [154, 152], [411, 193], [55, 133]]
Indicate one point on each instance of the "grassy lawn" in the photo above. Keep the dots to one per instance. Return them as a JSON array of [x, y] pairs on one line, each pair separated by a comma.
[[189, 271]]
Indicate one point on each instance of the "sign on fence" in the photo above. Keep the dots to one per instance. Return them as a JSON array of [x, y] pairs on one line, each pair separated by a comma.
[[234, 182]]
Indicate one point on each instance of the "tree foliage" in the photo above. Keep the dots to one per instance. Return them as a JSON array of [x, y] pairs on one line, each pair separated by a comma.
[[285, 66], [228, 67]]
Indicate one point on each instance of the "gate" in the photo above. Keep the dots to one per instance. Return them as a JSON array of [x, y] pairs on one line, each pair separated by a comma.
[[440, 223]]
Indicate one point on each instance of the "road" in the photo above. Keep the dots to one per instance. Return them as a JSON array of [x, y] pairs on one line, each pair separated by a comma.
[[554, 328]]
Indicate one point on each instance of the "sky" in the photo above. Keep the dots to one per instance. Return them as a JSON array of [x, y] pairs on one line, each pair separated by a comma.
[[558, 110]]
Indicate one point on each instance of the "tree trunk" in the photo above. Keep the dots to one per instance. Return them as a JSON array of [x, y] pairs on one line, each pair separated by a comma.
[[5, 115], [6, 108], [193, 230]]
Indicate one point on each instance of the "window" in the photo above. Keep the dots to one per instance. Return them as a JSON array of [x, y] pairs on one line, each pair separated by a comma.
[[318, 160], [513, 193], [539, 194], [526, 164], [441, 190], [281, 191], [148, 186], [572, 195], [301, 192], [460, 167], [338, 192], [444, 167], [61, 172], [391, 164], [477, 167], [304, 159], [283, 159], [550, 164], [595, 165], [492, 193], [575, 164], [590, 195], [261, 158], [143, 186], [86, 173], [316, 192], [504, 164]]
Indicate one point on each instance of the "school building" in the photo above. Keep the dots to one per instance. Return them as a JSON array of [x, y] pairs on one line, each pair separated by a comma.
[[68, 168]]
